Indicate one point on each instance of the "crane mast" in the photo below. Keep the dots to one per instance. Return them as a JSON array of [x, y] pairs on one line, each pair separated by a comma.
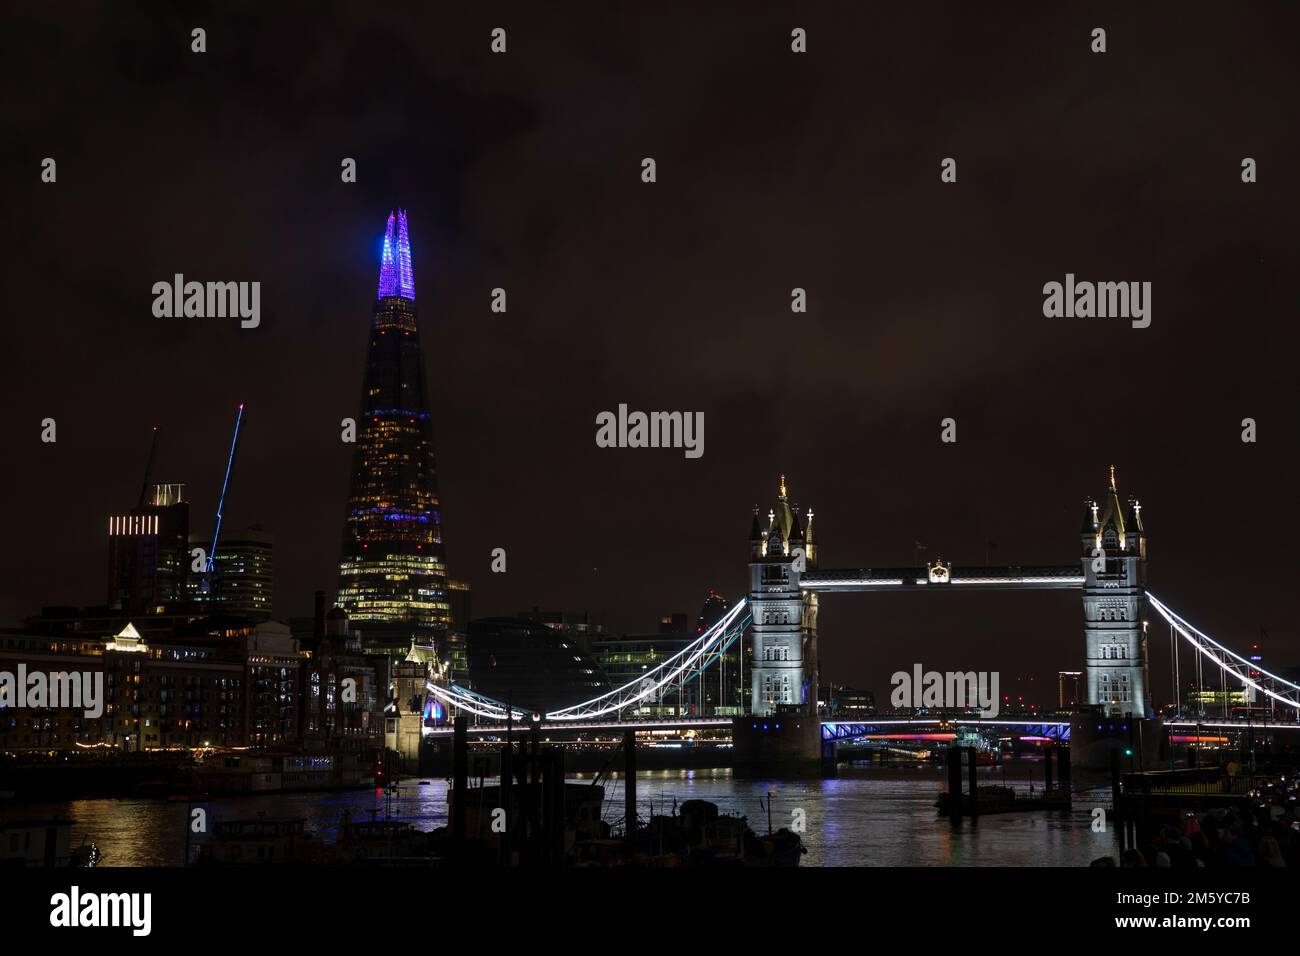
[[225, 486]]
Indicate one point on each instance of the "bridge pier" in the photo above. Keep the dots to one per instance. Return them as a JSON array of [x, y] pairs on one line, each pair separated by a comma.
[[1138, 741], [781, 745]]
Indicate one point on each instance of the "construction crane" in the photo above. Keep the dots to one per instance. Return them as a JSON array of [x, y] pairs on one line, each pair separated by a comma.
[[148, 467], [225, 486]]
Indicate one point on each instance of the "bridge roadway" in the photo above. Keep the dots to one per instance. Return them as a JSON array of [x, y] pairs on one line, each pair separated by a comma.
[[846, 730], [557, 727], [1236, 723], [831, 729], [1013, 577]]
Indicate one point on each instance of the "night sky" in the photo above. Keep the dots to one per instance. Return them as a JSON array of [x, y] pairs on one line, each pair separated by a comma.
[[775, 170]]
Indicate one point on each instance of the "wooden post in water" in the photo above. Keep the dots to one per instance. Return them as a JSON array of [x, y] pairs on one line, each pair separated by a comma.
[[629, 789], [559, 804], [1063, 771], [974, 809], [533, 792], [522, 839], [548, 809], [460, 782], [508, 782], [954, 785], [507, 797]]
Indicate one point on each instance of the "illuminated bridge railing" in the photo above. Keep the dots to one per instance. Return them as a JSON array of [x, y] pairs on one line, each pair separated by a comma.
[[1238, 724], [686, 663], [845, 730], [480, 705], [1011, 577], [580, 727], [1278, 690], [708, 648], [694, 655]]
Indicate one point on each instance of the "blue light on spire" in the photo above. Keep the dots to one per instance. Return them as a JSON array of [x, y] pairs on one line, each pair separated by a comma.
[[396, 277]]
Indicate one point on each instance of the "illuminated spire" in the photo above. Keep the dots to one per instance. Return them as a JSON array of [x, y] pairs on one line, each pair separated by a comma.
[[392, 569], [1113, 513], [783, 486], [396, 277]]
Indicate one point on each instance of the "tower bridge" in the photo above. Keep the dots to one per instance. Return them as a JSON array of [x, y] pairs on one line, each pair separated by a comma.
[[781, 614], [1110, 573]]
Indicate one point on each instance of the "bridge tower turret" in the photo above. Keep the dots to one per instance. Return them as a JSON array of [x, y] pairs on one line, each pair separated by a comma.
[[1114, 602], [756, 537], [784, 629]]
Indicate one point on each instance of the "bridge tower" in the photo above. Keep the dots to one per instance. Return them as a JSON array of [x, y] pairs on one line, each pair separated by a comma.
[[784, 668], [1114, 600]]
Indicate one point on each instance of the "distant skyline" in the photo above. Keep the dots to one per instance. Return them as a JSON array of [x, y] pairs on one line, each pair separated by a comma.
[[775, 172]]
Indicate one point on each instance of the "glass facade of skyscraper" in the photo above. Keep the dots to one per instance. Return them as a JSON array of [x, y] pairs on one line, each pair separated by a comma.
[[392, 569]]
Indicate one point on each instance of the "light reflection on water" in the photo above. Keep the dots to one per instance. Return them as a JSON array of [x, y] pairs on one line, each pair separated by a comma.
[[864, 817], [888, 818]]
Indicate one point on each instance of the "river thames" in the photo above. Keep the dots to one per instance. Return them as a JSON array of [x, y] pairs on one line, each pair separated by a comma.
[[864, 817]]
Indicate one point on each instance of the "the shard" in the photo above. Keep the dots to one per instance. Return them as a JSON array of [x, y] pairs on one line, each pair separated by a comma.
[[392, 574]]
